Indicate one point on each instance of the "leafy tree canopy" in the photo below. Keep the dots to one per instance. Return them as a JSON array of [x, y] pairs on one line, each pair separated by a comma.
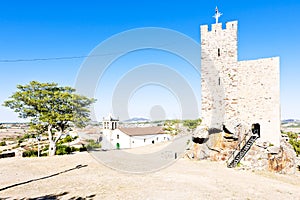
[[49, 106], [48, 103], [192, 124]]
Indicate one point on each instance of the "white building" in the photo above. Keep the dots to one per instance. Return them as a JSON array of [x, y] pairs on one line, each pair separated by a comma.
[[123, 138]]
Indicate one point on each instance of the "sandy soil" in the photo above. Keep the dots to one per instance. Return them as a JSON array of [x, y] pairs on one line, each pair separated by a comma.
[[58, 178]]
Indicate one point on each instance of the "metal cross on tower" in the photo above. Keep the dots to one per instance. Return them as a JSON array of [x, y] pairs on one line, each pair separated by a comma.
[[217, 15]]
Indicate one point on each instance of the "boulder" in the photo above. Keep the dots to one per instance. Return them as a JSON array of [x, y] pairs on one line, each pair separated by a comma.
[[200, 132], [262, 144], [273, 150], [261, 156]]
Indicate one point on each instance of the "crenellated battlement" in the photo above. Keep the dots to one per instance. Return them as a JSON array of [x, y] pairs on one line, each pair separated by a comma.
[[231, 26]]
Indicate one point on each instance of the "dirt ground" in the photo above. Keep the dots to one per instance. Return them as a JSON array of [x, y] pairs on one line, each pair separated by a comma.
[[80, 176]]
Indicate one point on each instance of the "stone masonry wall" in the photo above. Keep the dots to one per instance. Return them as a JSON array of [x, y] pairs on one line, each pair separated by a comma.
[[235, 91], [218, 60], [259, 96]]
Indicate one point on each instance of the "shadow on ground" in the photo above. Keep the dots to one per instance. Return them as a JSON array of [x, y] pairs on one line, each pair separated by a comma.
[[45, 177], [55, 196]]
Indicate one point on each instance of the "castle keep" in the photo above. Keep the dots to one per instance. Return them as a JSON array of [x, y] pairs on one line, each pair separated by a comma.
[[238, 92]]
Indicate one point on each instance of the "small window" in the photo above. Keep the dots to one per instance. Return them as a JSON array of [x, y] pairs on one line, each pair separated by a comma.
[[219, 81], [144, 140], [118, 137], [219, 53], [157, 138]]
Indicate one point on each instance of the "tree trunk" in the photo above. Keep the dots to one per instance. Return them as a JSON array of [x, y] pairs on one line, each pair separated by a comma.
[[52, 147], [52, 143]]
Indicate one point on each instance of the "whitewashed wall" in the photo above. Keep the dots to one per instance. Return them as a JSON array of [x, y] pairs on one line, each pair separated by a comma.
[[110, 139]]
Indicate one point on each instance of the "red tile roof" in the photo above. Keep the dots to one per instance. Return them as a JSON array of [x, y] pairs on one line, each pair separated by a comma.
[[137, 131]]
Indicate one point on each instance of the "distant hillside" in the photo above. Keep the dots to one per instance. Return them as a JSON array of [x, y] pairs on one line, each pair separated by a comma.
[[285, 121], [136, 119], [290, 123]]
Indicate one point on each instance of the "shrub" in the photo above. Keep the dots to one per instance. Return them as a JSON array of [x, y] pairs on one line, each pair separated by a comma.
[[30, 153], [67, 139], [81, 149], [74, 149], [62, 149], [27, 136], [192, 124], [92, 144], [2, 143], [46, 148], [44, 154], [293, 141], [169, 128], [60, 142], [239, 164], [171, 122], [20, 141]]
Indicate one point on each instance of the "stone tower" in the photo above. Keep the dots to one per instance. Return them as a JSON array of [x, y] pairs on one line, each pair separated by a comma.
[[219, 74], [237, 92]]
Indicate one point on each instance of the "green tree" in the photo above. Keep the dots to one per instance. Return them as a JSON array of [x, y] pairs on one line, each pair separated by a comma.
[[294, 142], [37, 128], [50, 106], [192, 124]]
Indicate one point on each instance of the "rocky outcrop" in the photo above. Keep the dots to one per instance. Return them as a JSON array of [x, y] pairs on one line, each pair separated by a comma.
[[261, 156]]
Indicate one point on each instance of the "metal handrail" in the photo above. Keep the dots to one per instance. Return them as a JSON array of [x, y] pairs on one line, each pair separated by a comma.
[[237, 147]]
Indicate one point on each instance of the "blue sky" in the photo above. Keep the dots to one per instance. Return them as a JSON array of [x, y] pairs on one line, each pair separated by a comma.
[[46, 29]]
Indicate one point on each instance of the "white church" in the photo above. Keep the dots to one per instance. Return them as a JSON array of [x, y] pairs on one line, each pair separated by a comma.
[[114, 137]]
